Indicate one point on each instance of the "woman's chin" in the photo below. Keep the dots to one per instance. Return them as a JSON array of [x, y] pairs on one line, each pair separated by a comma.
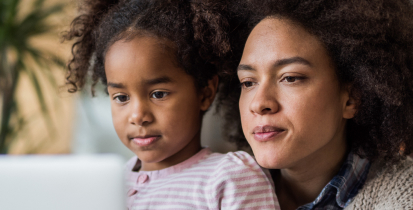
[[270, 161]]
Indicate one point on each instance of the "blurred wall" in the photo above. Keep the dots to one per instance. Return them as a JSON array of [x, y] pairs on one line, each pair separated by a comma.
[[36, 137]]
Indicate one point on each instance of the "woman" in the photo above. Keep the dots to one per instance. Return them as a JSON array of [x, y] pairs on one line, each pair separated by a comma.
[[326, 101]]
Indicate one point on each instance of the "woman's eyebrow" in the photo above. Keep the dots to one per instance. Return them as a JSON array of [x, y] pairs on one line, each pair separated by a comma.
[[278, 63], [286, 61], [245, 67]]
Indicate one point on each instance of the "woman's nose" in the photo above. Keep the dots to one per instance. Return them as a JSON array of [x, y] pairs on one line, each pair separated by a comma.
[[140, 114], [264, 101]]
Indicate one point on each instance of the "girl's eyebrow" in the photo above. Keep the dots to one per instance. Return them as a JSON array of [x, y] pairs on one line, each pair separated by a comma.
[[164, 79], [149, 82], [116, 85], [278, 63]]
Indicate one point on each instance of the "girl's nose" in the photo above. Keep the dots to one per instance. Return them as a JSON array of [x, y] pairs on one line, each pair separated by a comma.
[[140, 114], [264, 101]]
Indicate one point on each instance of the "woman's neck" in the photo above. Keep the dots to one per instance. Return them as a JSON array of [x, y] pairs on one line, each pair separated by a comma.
[[302, 183]]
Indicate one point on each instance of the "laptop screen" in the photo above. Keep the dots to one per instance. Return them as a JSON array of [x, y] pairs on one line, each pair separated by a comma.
[[51, 182]]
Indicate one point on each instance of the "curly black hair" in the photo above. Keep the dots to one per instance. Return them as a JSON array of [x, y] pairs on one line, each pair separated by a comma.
[[197, 28], [371, 45]]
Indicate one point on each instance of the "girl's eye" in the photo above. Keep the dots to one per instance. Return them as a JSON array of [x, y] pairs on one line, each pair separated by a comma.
[[247, 84], [159, 94], [121, 98]]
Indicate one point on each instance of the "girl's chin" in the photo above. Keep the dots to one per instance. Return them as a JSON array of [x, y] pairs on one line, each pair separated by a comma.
[[150, 157]]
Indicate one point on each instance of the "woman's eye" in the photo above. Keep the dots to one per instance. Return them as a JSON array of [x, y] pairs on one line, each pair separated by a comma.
[[247, 84], [159, 94], [291, 79], [121, 98]]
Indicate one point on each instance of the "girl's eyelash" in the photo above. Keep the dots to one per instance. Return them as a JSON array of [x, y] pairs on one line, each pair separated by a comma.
[[159, 94], [119, 99]]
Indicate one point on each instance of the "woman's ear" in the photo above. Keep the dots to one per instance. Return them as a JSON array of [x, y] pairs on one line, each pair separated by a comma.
[[208, 93], [350, 104]]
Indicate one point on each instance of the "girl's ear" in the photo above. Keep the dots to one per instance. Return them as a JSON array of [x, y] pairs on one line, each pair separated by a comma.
[[208, 93], [350, 105]]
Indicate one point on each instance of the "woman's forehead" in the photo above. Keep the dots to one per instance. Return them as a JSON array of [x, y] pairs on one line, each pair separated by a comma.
[[275, 39], [281, 32]]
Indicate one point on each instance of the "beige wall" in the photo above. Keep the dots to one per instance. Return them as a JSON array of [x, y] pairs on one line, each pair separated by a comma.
[[36, 136]]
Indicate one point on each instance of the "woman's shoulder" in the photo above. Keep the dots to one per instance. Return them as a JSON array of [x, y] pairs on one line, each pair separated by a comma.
[[387, 187]]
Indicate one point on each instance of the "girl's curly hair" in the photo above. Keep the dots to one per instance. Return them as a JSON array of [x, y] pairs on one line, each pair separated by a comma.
[[197, 28], [371, 45]]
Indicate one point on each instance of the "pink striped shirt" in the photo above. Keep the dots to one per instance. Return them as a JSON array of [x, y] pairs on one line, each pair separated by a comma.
[[204, 181]]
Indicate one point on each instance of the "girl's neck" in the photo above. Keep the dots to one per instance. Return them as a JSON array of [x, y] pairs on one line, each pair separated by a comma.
[[302, 184]]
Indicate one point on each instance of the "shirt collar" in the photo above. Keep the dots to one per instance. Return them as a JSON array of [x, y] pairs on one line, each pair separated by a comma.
[[347, 182], [158, 174]]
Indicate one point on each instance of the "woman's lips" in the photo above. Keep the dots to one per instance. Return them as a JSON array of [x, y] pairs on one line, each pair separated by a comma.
[[145, 141], [266, 133]]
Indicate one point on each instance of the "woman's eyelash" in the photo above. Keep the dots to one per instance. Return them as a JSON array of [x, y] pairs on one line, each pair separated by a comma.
[[291, 79], [246, 84], [288, 79]]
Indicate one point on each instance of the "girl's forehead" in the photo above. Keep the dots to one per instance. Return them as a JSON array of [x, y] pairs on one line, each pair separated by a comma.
[[140, 59], [133, 43], [139, 51]]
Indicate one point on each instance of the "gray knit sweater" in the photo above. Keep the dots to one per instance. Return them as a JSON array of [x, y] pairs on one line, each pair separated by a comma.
[[386, 187]]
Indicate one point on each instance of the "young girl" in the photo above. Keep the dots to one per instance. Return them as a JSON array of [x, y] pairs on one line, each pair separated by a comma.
[[159, 62]]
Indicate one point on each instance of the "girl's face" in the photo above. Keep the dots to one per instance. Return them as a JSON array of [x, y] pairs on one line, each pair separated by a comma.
[[156, 108], [293, 110]]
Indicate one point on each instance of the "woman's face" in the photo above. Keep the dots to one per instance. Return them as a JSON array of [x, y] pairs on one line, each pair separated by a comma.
[[293, 109]]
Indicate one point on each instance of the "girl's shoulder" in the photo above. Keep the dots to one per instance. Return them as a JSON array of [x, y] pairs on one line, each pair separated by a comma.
[[131, 163], [239, 177], [230, 161], [235, 167], [387, 187]]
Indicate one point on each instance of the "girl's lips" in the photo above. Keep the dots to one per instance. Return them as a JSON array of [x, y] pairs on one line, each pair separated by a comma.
[[145, 141]]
